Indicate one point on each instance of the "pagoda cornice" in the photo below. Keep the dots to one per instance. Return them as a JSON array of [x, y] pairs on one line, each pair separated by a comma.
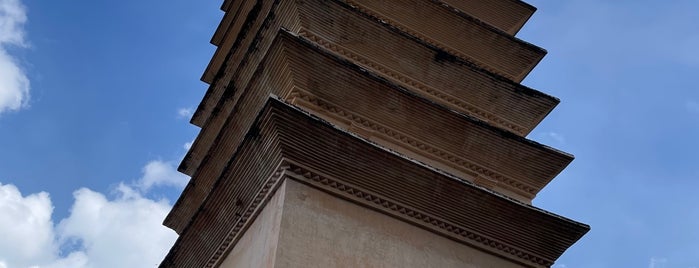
[[506, 15], [286, 143], [458, 34], [457, 84], [408, 145], [363, 102], [244, 37]]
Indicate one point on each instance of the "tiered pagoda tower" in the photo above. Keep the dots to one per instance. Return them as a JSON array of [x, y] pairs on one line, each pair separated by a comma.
[[369, 133]]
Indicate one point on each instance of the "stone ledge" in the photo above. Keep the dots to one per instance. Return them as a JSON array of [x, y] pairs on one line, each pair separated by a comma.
[[286, 143], [455, 143], [487, 48]]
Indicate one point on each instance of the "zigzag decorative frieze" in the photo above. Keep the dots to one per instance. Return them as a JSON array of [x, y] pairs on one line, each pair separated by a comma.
[[467, 108], [289, 169], [424, 38], [247, 217], [410, 142], [432, 222]]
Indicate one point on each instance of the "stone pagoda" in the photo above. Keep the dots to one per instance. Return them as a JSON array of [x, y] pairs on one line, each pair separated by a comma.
[[369, 133]]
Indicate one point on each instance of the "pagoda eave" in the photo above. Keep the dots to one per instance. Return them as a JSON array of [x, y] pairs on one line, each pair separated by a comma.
[[358, 100], [498, 53], [506, 15], [294, 145]]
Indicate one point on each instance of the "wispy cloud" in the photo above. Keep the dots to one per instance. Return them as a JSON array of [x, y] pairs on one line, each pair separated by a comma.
[[158, 172], [188, 145], [692, 106], [551, 136], [185, 112], [14, 84], [162, 173], [657, 262]]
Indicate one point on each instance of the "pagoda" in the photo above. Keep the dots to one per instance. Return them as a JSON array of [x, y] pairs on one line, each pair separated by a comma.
[[370, 133]]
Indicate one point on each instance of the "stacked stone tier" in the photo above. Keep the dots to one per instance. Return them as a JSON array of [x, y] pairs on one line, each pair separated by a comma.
[[286, 143], [506, 15], [364, 103], [409, 107], [415, 58], [415, 65]]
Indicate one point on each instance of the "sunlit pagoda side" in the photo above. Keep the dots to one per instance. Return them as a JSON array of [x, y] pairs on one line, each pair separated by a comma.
[[367, 133]]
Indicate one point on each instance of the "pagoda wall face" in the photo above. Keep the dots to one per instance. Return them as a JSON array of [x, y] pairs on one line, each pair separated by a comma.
[[305, 227], [259, 244], [320, 230]]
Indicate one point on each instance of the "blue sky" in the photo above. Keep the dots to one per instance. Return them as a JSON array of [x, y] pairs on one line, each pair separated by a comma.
[[95, 98]]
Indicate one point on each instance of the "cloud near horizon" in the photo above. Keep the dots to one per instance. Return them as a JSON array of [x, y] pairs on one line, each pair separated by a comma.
[[124, 231], [14, 84], [161, 173]]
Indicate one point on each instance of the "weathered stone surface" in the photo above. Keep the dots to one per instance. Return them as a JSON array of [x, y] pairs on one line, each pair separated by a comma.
[[345, 133], [259, 245], [305, 227], [286, 144], [246, 32], [458, 34], [363, 103], [506, 15]]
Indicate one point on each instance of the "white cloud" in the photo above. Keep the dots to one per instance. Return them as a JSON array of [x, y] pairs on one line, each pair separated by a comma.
[[77, 259], [12, 18], [25, 227], [14, 84], [125, 231], [185, 112], [161, 173]]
